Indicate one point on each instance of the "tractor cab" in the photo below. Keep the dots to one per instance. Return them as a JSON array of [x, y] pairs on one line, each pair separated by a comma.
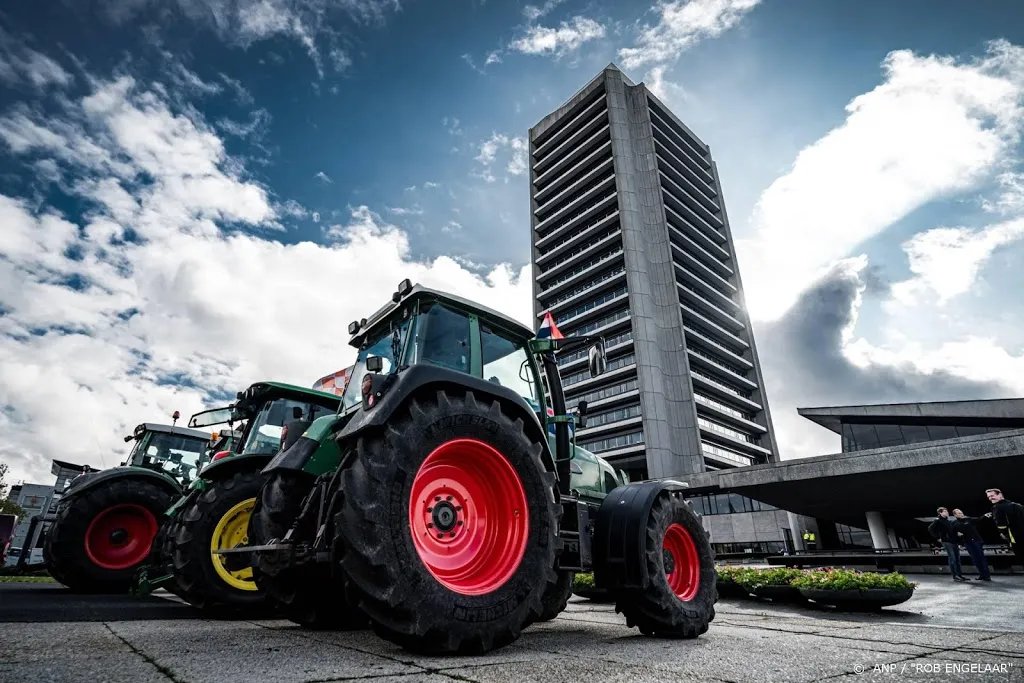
[[174, 451], [268, 410], [427, 327]]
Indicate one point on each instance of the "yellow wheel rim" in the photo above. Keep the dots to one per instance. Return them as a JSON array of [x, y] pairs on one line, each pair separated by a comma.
[[233, 530]]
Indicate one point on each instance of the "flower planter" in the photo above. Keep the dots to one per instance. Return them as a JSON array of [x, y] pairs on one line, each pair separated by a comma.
[[731, 589], [780, 593], [865, 598]]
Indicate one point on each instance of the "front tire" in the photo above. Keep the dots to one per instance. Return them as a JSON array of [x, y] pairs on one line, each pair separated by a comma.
[[448, 526], [680, 600], [219, 518], [103, 535]]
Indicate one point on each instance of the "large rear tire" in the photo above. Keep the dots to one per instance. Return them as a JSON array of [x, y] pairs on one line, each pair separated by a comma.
[[448, 526], [680, 600], [307, 595], [103, 535], [557, 595], [219, 518]]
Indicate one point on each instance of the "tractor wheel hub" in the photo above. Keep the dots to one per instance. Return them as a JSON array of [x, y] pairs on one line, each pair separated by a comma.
[[119, 536], [444, 516], [669, 561]]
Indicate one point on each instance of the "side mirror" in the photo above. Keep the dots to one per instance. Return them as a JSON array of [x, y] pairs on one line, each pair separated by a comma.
[[598, 359], [128, 438], [374, 364]]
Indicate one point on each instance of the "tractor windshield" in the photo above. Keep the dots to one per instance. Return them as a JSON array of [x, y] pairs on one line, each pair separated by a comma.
[[176, 454], [265, 428], [387, 344]]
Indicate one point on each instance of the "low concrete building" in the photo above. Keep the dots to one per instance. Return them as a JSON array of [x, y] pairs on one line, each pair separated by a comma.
[[899, 463]]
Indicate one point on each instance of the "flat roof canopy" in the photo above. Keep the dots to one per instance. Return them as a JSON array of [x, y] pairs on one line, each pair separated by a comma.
[[905, 481], [998, 411]]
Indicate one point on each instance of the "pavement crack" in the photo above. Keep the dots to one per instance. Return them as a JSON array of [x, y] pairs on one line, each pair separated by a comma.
[[165, 671]]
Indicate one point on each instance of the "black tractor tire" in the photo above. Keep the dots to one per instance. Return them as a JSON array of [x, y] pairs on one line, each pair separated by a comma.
[[64, 550], [557, 595], [306, 595], [404, 600], [197, 579], [657, 610]]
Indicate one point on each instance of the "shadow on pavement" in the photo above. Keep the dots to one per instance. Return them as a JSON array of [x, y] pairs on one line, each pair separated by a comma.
[[33, 602]]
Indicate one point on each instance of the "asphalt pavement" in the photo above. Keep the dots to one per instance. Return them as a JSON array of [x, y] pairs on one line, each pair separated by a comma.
[[946, 632]]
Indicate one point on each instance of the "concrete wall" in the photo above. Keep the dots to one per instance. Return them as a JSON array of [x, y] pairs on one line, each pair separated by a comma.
[[671, 436]]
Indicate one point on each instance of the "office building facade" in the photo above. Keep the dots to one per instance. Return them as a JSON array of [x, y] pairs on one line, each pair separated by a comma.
[[631, 241]]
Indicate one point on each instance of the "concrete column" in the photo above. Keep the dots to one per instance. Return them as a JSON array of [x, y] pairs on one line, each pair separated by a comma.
[[797, 531], [879, 535]]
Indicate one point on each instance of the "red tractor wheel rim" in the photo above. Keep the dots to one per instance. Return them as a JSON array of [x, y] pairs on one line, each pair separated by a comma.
[[468, 516], [683, 574], [120, 537]]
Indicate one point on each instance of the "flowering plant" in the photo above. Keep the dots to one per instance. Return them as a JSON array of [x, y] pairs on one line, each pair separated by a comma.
[[847, 579]]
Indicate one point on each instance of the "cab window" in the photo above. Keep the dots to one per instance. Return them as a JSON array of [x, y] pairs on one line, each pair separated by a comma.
[[506, 363], [442, 338]]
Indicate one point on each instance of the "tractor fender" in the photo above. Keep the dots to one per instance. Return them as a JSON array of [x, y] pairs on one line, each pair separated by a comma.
[[91, 480], [315, 451], [228, 466], [619, 532], [394, 391]]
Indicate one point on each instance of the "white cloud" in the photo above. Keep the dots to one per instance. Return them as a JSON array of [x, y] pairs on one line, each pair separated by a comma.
[[452, 125], [934, 128], [430, 184], [569, 36], [21, 64], [683, 24], [452, 227], [405, 211], [255, 129], [946, 261], [533, 12], [1010, 192], [342, 62], [130, 306], [516, 148], [316, 217], [323, 178]]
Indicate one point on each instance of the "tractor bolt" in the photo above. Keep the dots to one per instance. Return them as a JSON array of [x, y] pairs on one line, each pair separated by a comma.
[[448, 498], [430, 525], [437, 498], [458, 508], [430, 509], [452, 534], [460, 522], [440, 535]]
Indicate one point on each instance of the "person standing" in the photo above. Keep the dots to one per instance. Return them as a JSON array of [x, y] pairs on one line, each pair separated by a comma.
[[942, 530], [810, 542], [1009, 517], [967, 530]]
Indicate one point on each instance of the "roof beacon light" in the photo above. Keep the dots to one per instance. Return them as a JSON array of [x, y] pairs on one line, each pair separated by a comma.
[[353, 327]]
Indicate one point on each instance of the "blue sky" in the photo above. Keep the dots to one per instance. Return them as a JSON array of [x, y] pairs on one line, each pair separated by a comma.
[[185, 184]]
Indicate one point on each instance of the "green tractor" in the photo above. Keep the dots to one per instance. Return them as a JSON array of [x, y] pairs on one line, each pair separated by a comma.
[[435, 506], [213, 513], [106, 520]]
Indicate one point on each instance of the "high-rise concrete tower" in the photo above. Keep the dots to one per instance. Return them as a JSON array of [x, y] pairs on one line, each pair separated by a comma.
[[631, 241]]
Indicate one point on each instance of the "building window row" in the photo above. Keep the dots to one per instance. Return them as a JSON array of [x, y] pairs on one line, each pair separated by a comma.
[[727, 504], [618, 415], [722, 429], [608, 343], [857, 437], [620, 362], [607, 320], [725, 454], [714, 359], [576, 251], [751, 548], [559, 201], [577, 170], [586, 265], [606, 392], [669, 154], [721, 385], [613, 442], [591, 305], [555, 227], [548, 248], [570, 126], [729, 410], [852, 537], [590, 284], [690, 146]]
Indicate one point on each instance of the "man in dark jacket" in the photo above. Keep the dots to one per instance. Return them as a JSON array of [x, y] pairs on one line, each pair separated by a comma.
[[969, 536], [942, 530], [1009, 517]]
